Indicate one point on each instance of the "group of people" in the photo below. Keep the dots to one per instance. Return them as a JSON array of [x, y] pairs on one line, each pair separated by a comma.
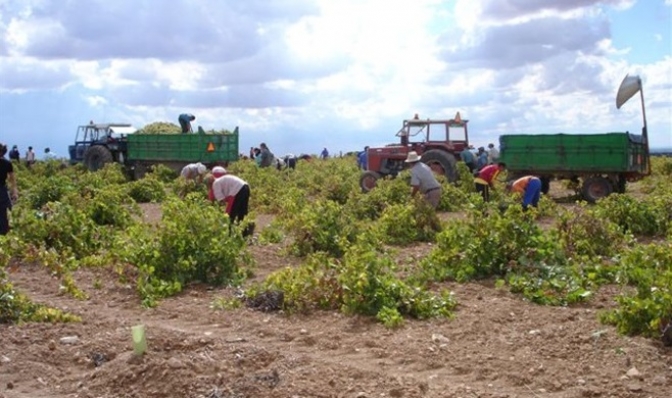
[[475, 161], [265, 158], [15, 155], [424, 181], [528, 186]]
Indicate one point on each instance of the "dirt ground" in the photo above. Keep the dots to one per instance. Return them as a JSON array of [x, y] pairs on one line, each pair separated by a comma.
[[497, 346]]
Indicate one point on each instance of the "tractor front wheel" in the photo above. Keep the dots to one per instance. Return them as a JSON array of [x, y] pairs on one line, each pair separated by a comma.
[[368, 180], [96, 157]]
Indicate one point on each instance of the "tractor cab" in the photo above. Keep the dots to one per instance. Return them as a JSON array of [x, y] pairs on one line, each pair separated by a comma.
[[451, 133], [109, 135], [438, 141]]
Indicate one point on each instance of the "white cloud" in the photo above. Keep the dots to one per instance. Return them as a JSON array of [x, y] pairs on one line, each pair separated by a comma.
[[341, 72]]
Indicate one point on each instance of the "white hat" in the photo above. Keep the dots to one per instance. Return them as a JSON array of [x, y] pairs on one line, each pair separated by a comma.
[[412, 157], [201, 168], [218, 171]]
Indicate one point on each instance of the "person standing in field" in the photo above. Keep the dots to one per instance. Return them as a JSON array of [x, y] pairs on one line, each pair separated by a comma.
[[423, 180], [325, 154], [529, 187], [7, 194], [14, 154], [485, 179], [468, 158], [30, 157], [266, 156], [362, 158], [493, 154], [481, 158]]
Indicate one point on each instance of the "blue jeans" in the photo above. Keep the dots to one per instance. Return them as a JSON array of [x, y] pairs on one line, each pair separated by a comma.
[[532, 193]]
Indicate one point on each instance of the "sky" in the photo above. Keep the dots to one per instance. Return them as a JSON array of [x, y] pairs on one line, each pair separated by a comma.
[[302, 75]]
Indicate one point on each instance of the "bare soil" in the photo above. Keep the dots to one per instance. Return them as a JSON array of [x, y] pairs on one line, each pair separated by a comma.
[[496, 346]]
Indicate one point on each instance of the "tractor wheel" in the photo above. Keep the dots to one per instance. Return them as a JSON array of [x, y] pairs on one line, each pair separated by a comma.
[[368, 180], [442, 163], [595, 188], [96, 157]]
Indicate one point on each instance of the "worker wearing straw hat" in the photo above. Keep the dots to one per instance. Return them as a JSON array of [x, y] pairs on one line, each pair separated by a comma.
[[423, 180]]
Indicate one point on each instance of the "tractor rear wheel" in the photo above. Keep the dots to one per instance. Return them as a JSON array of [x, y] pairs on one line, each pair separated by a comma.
[[368, 180], [96, 157], [595, 188], [441, 162]]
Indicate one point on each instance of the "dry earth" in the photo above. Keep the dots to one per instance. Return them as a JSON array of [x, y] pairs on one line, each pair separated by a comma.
[[496, 346]]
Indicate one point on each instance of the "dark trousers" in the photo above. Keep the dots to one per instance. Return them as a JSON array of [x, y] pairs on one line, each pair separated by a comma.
[[291, 163], [484, 190], [240, 204], [5, 206]]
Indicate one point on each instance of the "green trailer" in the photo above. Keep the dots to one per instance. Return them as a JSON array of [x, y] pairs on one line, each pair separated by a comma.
[[177, 150], [602, 162], [98, 144]]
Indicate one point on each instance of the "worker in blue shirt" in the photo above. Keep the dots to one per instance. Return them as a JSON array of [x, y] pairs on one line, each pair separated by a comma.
[[185, 120], [362, 158]]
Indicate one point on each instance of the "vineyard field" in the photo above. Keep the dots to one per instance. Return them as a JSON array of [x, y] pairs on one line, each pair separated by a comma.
[[380, 296]]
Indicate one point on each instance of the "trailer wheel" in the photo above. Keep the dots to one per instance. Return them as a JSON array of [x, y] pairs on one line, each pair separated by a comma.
[[441, 162], [368, 180], [595, 188], [96, 157]]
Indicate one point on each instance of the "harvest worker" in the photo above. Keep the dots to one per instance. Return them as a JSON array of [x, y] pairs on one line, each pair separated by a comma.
[[194, 171], [468, 158], [486, 179], [14, 154], [362, 158], [267, 158], [493, 154], [529, 187], [234, 192], [423, 180], [185, 120], [6, 198], [217, 172]]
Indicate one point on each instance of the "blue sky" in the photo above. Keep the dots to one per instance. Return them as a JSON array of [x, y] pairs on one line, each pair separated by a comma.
[[304, 74]]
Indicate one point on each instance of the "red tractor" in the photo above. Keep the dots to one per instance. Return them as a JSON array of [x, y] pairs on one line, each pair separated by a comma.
[[439, 142]]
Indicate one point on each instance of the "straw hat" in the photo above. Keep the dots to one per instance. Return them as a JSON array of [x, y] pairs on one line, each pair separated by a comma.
[[412, 157]]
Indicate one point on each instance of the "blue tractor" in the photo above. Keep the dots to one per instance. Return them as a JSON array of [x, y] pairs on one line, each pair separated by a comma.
[[98, 144]]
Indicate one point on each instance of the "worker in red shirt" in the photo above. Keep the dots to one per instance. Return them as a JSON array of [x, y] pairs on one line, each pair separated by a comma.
[[485, 179], [529, 187]]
